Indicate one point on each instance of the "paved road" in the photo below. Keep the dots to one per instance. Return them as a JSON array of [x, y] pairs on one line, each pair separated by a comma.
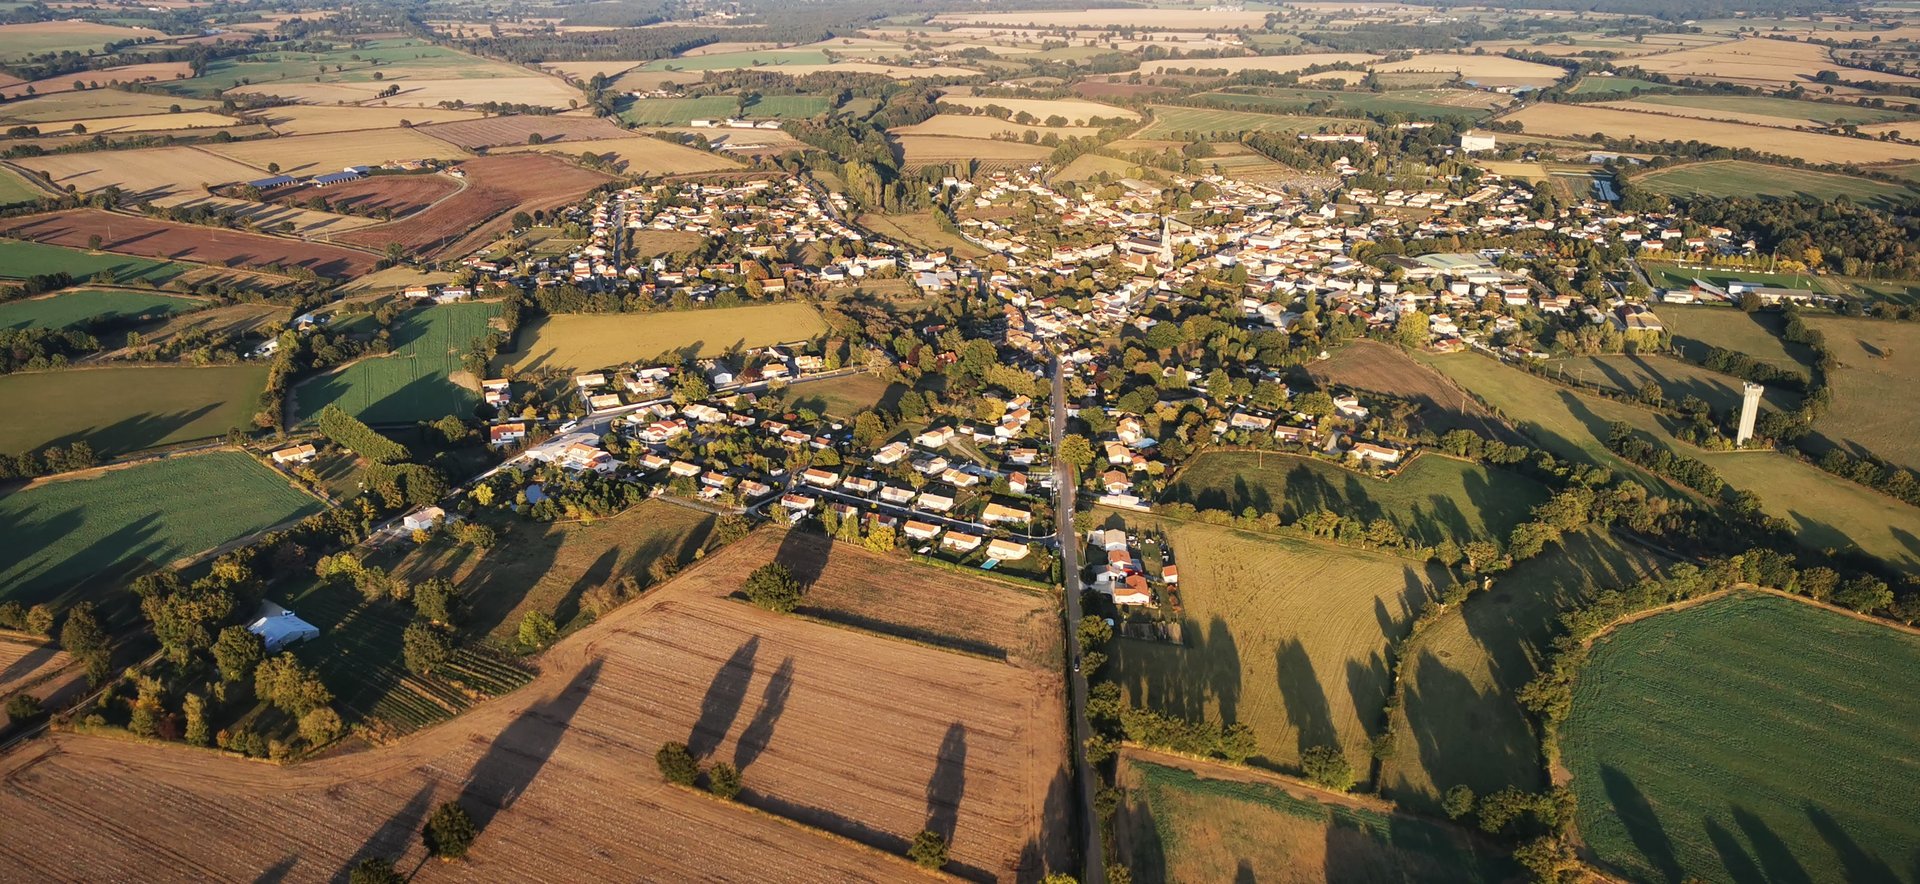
[[1063, 485]]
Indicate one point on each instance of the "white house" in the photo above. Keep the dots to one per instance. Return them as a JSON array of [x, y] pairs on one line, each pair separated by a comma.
[[424, 519]]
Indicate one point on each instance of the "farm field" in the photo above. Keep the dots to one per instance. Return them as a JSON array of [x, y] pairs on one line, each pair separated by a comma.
[[1078, 113], [1445, 104], [1287, 635], [679, 111], [1826, 511], [1875, 357], [1460, 720], [1486, 70], [1379, 368], [1699, 747], [933, 150], [153, 238], [333, 151], [234, 319], [122, 409], [33, 38], [1616, 86], [146, 72], [582, 341], [151, 123], [20, 260], [497, 187], [29, 667], [788, 107], [155, 174], [498, 131], [1677, 379], [1696, 330], [15, 190], [1753, 108], [78, 308], [919, 229], [400, 194], [728, 61], [1275, 63], [1583, 120], [637, 155], [300, 119], [1184, 820], [1432, 499], [842, 396], [414, 382], [1104, 19], [587, 70], [420, 93], [1087, 165], [66, 533], [1172, 122], [92, 104], [1742, 178], [1757, 61], [977, 754], [969, 126]]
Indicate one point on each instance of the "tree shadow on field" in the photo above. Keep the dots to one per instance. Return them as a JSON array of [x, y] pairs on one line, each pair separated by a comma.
[[721, 705], [1776, 860], [1048, 851], [517, 755], [949, 782], [279, 871], [394, 836], [759, 730], [1641, 821], [1859, 864], [1304, 697], [1740, 866], [805, 552]]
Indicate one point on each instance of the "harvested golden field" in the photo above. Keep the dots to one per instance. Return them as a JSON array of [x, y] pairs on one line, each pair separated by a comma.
[[1277, 63], [896, 71], [558, 775], [149, 123], [1758, 61], [1487, 70], [133, 73], [1077, 112], [149, 173], [71, 35], [1705, 113], [516, 130], [1582, 120], [298, 119], [583, 341], [333, 151], [1108, 19], [92, 104], [929, 150], [968, 126], [586, 70], [543, 91], [640, 154]]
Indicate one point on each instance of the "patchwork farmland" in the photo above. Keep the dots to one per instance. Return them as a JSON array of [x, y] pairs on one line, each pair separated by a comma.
[[154, 238], [497, 187]]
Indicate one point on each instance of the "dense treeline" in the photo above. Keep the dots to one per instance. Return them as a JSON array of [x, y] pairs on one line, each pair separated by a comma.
[[348, 432], [1622, 440]]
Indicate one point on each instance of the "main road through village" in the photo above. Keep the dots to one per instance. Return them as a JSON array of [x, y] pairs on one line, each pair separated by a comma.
[[1063, 484]]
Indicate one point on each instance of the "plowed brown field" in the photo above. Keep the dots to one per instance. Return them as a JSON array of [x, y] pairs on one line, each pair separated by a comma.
[[497, 187], [869, 738], [150, 238], [404, 194]]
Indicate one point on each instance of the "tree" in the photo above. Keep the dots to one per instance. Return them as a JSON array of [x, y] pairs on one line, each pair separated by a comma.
[[1863, 594], [537, 630], [724, 780], [237, 652], [320, 726], [426, 647], [1076, 450], [1327, 767], [880, 538], [929, 849], [82, 636], [194, 708], [1412, 330], [282, 681], [24, 708], [773, 587], [39, 620], [449, 832], [1458, 802], [435, 599], [375, 870], [676, 764]]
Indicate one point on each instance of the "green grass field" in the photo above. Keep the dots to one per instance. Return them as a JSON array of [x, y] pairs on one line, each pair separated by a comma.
[[1677, 379], [726, 60], [1460, 722], [1287, 635], [1696, 330], [124, 408], [1169, 121], [843, 396], [1743, 178], [1620, 86], [789, 107], [1433, 499], [1182, 826], [24, 41], [1826, 511], [414, 382], [392, 59], [15, 190], [579, 341], [1414, 104], [679, 111], [1830, 113], [1879, 363], [19, 260], [1749, 738], [1667, 275], [63, 536], [79, 307]]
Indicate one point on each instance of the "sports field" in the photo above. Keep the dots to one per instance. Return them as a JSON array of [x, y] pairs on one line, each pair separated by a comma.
[[1876, 358], [415, 381], [1190, 821], [1749, 738], [1170, 122], [580, 341], [1826, 511], [1460, 722], [1287, 635], [1432, 499], [79, 308], [127, 408], [64, 534], [1696, 330], [679, 111], [23, 259], [1743, 178]]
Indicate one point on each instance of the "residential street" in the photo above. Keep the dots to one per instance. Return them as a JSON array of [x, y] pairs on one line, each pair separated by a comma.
[[1063, 484]]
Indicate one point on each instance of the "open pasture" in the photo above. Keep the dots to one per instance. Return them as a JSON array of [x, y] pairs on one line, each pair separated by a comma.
[[1485, 70], [300, 119], [1745, 733], [969, 126], [679, 111], [67, 534], [15, 190], [415, 381], [787, 107], [1761, 109], [584, 342], [1697, 330], [20, 260], [167, 122], [1460, 722], [1622, 86], [1875, 359], [379, 63], [64, 107], [978, 755], [499, 131], [424, 93], [154, 173], [1824, 510], [1204, 123], [729, 61], [640, 154], [1287, 635], [84, 37], [1584, 119], [80, 308], [1442, 104], [146, 72], [497, 187], [333, 151], [1186, 820], [1087, 165], [1626, 374], [121, 409], [1075, 111], [1757, 61], [153, 238], [233, 319], [1275, 63], [1743, 178], [1432, 499], [934, 150]]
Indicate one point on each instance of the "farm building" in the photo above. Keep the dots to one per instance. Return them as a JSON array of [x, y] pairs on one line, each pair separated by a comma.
[[278, 627], [350, 173], [272, 182], [294, 454], [424, 519]]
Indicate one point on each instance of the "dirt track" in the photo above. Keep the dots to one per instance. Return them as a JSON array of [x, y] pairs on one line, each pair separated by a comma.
[[871, 738]]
